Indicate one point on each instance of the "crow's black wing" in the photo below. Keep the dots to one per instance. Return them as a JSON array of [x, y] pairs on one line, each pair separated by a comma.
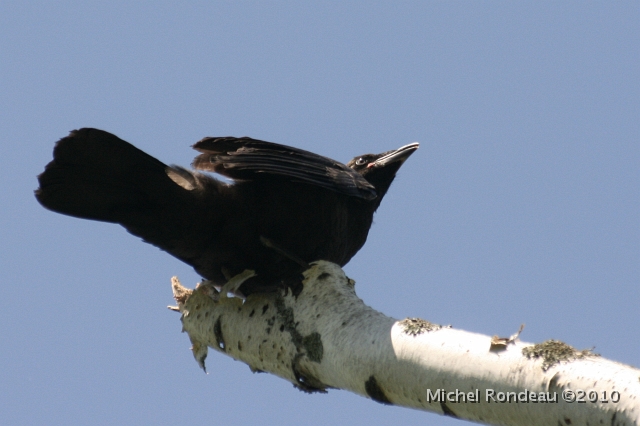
[[252, 159]]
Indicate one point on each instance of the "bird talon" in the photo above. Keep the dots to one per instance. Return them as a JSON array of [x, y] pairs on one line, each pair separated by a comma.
[[233, 285]]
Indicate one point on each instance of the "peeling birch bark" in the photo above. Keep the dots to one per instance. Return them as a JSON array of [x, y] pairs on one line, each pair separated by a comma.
[[328, 338]]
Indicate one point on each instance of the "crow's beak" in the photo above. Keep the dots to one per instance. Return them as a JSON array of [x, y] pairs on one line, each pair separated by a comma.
[[400, 154]]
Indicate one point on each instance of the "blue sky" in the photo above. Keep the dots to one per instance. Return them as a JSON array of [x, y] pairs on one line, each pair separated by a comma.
[[522, 204]]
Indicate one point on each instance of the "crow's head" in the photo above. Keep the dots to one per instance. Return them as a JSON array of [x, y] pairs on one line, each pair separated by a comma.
[[380, 169]]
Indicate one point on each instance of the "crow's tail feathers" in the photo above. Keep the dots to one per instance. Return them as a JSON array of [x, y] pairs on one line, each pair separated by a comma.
[[96, 175]]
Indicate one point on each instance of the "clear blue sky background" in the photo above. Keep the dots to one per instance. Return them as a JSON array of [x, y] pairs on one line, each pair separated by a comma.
[[521, 206]]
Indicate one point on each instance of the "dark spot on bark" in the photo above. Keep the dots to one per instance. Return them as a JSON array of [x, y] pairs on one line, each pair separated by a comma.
[[447, 411], [240, 346], [264, 308], [217, 332], [306, 383], [567, 421], [253, 311], [323, 276], [375, 392], [313, 345]]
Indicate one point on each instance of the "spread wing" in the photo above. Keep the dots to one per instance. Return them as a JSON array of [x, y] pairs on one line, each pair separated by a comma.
[[252, 159]]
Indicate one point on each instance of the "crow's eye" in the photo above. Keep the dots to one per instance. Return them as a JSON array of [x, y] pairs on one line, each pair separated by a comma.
[[360, 161]]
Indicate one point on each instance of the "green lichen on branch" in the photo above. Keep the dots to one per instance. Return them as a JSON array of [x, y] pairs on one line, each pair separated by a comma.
[[416, 326], [553, 352]]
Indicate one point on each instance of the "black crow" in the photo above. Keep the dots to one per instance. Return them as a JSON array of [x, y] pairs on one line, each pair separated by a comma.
[[286, 207]]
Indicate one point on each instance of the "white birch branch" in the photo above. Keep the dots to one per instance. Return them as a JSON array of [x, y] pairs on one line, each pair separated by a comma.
[[328, 338]]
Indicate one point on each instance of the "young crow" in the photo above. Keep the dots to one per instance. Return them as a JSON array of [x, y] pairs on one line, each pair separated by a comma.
[[286, 207]]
